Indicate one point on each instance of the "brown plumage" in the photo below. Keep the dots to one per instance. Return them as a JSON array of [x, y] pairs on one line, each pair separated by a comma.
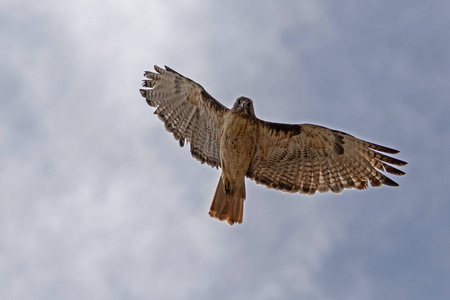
[[293, 158]]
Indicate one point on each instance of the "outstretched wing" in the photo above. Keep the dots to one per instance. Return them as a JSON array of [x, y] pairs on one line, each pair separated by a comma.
[[306, 158], [187, 111]]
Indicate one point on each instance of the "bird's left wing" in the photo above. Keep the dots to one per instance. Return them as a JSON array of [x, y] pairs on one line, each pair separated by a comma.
[[306, 158], [188, 111]]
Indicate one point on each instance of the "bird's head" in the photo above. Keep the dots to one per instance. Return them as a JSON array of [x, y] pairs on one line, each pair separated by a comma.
[[244, 106]]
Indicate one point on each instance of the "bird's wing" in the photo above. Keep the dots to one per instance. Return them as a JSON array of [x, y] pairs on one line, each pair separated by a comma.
[[306, 158], [188, 111]]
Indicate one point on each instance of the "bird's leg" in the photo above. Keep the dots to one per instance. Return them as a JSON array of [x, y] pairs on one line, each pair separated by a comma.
[[227, 186]]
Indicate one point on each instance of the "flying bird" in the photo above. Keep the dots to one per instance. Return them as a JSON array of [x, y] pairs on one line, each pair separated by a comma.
[[302, 158]]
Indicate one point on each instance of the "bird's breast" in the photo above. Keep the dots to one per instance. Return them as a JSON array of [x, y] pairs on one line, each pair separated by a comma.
[[237, 144]]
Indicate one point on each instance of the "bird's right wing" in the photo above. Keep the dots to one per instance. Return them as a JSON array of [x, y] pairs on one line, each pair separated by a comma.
[[188, 111], [306, 158]]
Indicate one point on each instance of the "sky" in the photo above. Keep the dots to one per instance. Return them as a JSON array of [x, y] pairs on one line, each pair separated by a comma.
[[98, 201]]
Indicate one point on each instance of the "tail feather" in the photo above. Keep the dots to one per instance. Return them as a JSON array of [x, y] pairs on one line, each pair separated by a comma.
[[228, 208]]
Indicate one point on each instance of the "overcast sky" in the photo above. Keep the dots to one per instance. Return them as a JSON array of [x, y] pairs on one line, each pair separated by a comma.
[[98, 201]]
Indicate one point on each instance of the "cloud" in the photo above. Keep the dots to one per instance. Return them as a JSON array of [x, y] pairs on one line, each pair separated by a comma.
[[97, 199]]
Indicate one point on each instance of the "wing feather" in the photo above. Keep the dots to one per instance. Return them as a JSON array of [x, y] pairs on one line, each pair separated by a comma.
[[187, 111], [308, 158]]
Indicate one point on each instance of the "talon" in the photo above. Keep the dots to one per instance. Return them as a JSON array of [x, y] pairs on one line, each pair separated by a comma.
[[227, 188]]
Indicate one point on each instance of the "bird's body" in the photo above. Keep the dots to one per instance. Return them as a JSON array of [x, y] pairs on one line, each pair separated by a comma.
[[300, 158], [237, 144]]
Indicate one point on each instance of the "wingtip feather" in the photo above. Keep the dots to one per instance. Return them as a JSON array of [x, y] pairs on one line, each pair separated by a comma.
[[389, 182], [158, 69], [383, 148]]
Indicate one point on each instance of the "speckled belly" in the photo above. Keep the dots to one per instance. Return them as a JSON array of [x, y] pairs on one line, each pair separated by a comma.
[[237, 147]]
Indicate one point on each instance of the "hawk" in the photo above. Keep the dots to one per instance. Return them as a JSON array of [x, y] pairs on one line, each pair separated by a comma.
[[302, 158]]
